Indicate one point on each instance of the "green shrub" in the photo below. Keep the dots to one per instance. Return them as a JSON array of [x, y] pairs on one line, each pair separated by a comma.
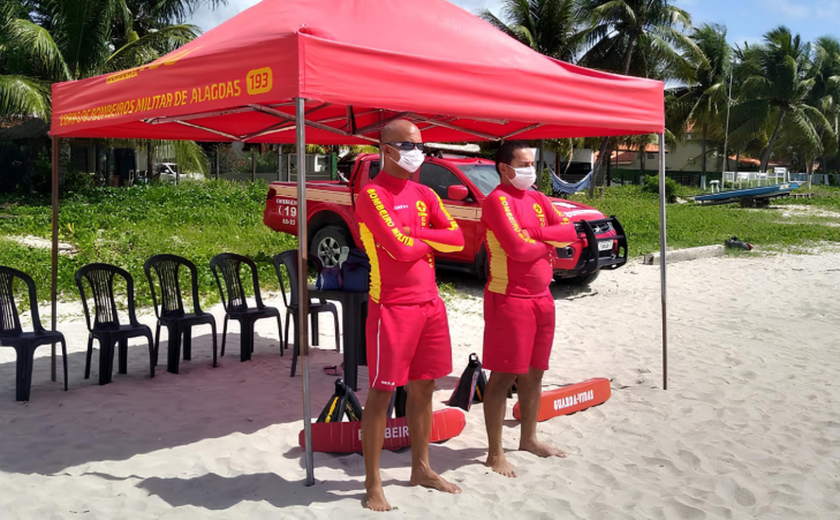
[[672, 187]]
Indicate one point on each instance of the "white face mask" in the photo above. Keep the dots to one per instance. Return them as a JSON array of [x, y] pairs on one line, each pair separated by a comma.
[[524, 178], [411, 160]]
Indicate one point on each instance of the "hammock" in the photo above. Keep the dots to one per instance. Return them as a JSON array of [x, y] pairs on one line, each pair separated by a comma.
[[561, 187]]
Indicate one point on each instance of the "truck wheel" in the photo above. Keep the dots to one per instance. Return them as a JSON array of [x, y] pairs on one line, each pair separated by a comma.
[[578, 280], [327, 244]]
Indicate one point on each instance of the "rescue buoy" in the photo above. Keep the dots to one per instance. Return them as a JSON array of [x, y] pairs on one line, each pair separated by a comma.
[[570, 399], [331, 434], [346, 437]]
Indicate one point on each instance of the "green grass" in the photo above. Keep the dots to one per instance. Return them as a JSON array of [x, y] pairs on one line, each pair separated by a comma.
[[126, 226], [690, 225]]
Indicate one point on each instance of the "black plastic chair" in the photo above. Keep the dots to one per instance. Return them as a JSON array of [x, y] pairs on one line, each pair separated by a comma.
[[106, 327], [289, 260], [171, 313], [226, 267], [24, 343]]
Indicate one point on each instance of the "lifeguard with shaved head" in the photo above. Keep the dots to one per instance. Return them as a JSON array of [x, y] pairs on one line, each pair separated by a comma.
[[402, 223]]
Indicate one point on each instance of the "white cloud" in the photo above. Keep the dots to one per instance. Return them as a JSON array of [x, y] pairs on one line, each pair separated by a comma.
[[788, 8], [828, 10]]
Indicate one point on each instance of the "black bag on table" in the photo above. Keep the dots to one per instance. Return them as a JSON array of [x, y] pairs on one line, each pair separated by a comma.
[[343, 402], [470, 387]]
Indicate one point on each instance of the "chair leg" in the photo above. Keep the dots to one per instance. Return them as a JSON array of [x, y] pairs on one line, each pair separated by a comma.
[[224, 335], [186, 346], [246, 338], [157, 343], [106, 360], [213, 329], [152, 354], [289, 318], [123, 369], [313, 318], [64, 359], [89, 354], [25, 357], [337, 339], [295, 351], [173, 351], [280, 333]]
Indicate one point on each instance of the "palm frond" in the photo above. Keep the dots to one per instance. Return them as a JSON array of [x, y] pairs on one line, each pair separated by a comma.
[[21, 96]]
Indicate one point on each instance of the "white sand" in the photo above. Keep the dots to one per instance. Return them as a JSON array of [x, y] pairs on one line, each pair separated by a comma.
[[749, 428]]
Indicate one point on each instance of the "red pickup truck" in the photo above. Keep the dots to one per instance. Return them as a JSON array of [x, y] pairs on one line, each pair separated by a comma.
[[462, 184]]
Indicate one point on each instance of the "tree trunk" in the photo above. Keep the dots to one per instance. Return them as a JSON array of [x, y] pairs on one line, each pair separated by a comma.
[[602, 155], [737, 159], [765, 156], [571, 155], [253, 164], [703, 151]]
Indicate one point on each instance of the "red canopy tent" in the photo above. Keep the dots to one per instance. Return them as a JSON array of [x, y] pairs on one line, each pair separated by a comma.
[[345, 68]]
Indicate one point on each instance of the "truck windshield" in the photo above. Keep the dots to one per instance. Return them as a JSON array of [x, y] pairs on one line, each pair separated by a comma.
[[484, 176]]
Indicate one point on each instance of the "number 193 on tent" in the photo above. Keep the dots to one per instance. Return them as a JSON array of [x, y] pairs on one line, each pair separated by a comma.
[[259, 81]]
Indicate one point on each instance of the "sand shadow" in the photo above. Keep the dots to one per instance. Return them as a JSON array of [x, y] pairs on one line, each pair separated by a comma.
[[442, 458], [216, 493], [136, 414]]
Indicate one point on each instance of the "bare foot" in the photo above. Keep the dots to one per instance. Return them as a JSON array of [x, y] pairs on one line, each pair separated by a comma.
[[429, 479], [375, 499], [500, 465], [542, 450]]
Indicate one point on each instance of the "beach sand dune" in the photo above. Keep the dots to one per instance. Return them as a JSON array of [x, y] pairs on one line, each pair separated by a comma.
[[748, 428]]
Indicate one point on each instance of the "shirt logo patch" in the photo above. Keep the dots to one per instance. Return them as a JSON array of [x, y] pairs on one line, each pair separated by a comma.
[[421, 206]]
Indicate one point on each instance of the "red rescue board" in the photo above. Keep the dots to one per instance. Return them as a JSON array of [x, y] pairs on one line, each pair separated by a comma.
[[346, 437], [570, 399]]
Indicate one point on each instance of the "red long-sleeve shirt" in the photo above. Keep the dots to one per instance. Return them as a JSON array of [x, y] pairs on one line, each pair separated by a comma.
[[520, 264], [402, 265]]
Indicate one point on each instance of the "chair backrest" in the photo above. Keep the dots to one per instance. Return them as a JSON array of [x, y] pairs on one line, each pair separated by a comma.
[[100, 280], [287, 260], [226, 267], [9, 315], [168, 269]]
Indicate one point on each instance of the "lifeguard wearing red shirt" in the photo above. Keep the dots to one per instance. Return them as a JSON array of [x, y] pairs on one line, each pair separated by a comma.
[[401, 223], [522, 227]]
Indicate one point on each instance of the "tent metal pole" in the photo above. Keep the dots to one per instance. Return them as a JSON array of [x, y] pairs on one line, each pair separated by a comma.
[[663, 241], [56, 143], [541, 164], [303, 287]]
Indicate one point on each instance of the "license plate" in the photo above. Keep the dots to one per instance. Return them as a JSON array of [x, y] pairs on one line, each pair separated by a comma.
[[605, 245]]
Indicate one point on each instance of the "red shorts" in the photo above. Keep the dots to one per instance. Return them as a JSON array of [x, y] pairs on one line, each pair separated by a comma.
[[518, 333], [406, 343]]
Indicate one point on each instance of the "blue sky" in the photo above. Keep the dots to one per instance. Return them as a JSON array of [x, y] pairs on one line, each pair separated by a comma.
[[746, 20]]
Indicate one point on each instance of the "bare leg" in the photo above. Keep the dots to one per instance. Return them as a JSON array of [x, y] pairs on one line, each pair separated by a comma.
[[529, 387], [495, 396], [419, 415], [373, 435]]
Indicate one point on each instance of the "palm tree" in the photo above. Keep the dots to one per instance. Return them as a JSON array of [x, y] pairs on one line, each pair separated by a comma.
[[702, 104], [640, 36], [547, 26], [825, 94], [45, 41], [776, 90]]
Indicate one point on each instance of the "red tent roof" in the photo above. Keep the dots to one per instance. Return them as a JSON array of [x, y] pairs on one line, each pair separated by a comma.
[[357, 63]]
